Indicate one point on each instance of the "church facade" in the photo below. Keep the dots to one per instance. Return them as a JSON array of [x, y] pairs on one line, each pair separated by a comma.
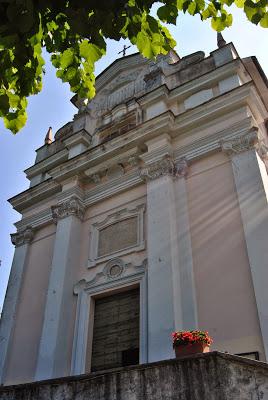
[[146, 214]]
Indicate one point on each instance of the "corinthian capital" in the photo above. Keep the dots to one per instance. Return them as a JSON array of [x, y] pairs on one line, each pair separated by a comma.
[[165, 166], [240, 144], [71, 206], [22, 237]]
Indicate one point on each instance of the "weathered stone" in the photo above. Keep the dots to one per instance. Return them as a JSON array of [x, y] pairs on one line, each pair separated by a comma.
[[210, 376]]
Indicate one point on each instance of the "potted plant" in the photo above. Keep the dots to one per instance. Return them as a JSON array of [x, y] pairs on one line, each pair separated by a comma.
[[186, 343]]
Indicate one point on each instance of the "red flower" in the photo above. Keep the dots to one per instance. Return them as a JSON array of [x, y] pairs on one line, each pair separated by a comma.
[[194, 336]]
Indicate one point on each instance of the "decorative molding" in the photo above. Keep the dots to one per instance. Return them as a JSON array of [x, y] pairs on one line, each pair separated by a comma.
[[208, 144], [112, 168], [35, 194], [22, 237], [115, 171], [46, 164], [71, 206], [239, 144], [106, 276], [96, 178], [165, 166], [157, 169], [113, 270], [109, 220], [196, 150], [86, 292]]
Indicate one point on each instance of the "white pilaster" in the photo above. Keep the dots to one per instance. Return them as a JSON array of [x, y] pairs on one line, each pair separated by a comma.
[[52, 359], [164, 300], [84, 311], [185, 259], [21, 240], [251, 181]]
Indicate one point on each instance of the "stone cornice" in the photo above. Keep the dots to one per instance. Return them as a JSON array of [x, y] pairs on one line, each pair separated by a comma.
[[47, 163], [37, 220], [110, 188], [71, 206], [33, 195], [153, 127], [81, 136], [205, 80], [166, 122], [196, 150], [90, 158], [202, 147], [212, 109], [240, 144], [120, 158], [91, 197], [161, 92], [22, 237]]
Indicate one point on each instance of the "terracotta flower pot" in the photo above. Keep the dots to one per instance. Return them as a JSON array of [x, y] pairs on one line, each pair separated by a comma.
[[183, 350]]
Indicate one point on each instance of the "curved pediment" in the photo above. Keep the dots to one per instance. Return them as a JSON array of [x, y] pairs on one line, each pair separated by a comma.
[[123, 80]]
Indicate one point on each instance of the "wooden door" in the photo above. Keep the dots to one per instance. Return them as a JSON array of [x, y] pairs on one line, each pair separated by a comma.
[[116, 331]]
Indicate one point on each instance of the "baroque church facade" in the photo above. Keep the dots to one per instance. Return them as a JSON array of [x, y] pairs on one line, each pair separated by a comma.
[[146, 214]]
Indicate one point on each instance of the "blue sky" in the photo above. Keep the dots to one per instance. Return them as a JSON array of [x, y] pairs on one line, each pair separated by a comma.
[[53, 108]]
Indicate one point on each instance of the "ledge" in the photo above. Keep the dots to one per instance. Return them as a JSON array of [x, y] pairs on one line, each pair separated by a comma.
[[214, 375]]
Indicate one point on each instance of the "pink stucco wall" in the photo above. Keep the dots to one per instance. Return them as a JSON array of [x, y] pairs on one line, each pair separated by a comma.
[[225, 295], [29, 317]]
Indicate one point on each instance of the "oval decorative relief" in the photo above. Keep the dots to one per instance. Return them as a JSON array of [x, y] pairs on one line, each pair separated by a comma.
[[114, 268]]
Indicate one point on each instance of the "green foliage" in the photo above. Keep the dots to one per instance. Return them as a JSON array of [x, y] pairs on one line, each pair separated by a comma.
[[74, 32]]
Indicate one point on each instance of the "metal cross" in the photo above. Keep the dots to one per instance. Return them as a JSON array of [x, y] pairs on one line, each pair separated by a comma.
[[124, 50]]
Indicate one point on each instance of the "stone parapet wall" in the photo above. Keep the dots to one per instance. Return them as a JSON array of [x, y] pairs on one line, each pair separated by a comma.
[[211, 376]]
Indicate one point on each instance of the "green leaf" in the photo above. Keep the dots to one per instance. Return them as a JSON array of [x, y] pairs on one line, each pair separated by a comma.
[[75, 33], [192, 8], [4, 104], [256, 18], [90, 52], [264, 21], [144, 45], [240, 3], [67, 58], [14, 121], [168, 13], [217, 24]]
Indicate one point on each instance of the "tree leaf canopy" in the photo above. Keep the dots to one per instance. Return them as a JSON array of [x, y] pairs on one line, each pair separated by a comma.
[[74, 32]]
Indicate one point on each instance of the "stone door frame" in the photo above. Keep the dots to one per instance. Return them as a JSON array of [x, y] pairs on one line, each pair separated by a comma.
[[84, 322]]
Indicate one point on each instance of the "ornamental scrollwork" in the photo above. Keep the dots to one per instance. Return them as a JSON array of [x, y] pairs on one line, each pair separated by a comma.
[[22, 237], [71, 206], [165, 166], [239, 144]]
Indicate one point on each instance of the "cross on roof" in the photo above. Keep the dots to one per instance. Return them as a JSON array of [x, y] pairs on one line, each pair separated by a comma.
[[124, 50]]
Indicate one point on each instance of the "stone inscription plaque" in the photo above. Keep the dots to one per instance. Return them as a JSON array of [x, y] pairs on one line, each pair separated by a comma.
[[118, 236]]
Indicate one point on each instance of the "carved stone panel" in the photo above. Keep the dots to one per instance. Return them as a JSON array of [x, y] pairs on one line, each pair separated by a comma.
[[118, 236], [119, 233]]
